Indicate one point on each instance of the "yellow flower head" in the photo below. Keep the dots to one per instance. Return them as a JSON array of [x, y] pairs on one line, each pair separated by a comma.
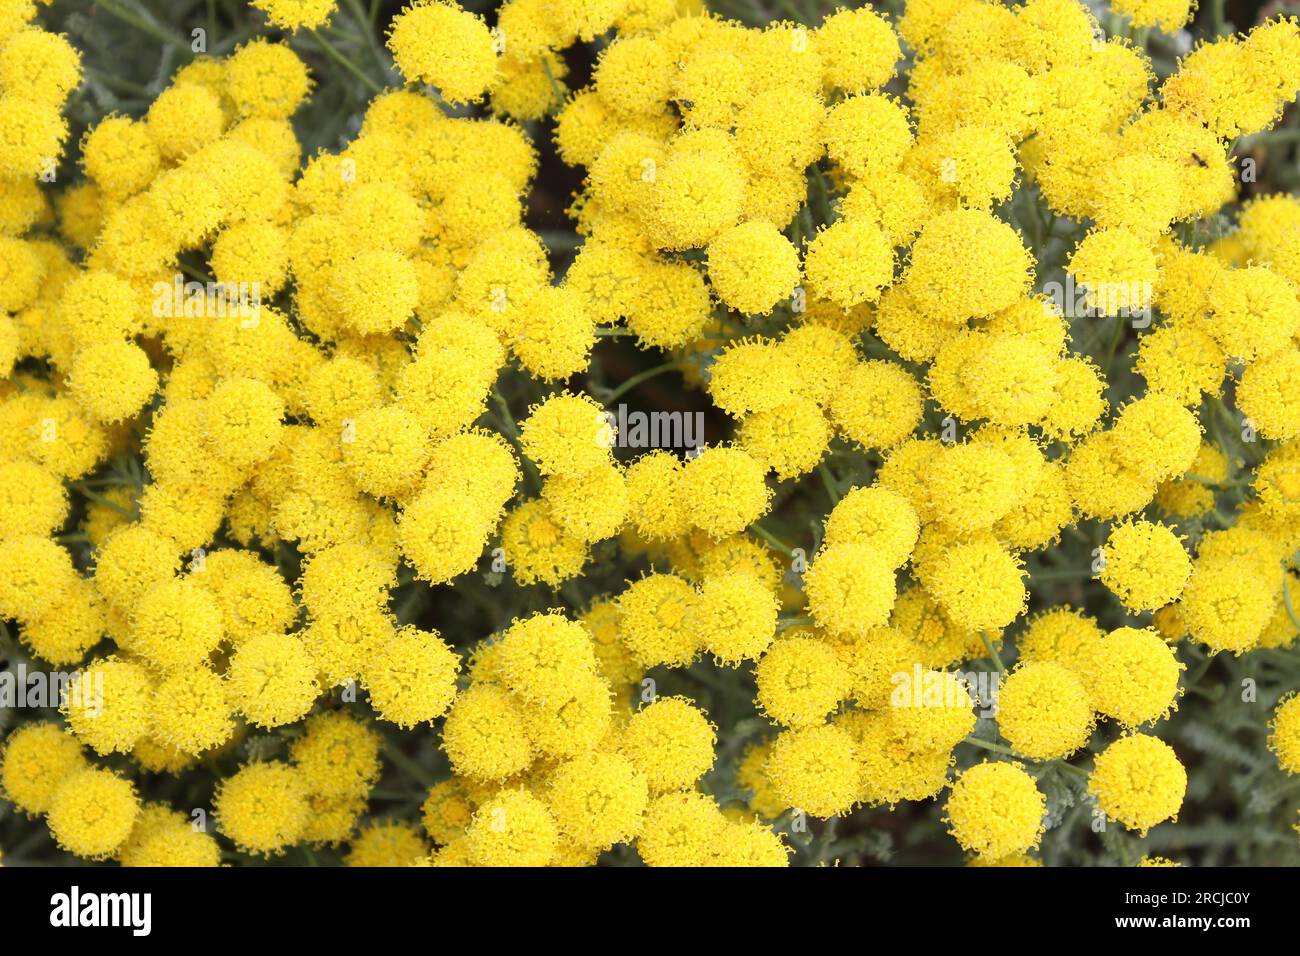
[[263, 808], [671, 741], [37, 759], [1139, 781], [514, 828], [484, 734], [1144, 565], [92, 813], [1134, 676], [996, 810], [815, 769], [1044, 711]]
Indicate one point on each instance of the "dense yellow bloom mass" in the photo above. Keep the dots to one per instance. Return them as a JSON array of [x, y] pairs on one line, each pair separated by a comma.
[[896, 384]]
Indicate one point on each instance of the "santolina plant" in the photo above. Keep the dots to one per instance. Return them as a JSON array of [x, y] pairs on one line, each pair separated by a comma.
[[630, 432]]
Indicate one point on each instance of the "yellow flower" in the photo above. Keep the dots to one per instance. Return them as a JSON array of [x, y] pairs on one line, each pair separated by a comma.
[[484, 735], [979, 584], [1139, 781], [849, 263], [877, 404], [670, 741], [263, 808], [1134, 676], [815, 769], [166, 837], [681, 829], [850, 588], [412, 678], [598, 800], [266, 80], [858, 49], [37, 759], [514, 828], [1144, 565], [1043, 710], [659, 620], [1253, 312], [1284, 739], [800, 680], [724, 491], [387, 843], [109, 705], [273, 679], [296, 14], [193, 710], [1227, 603], [442, 45], [92, 812], [996, 810]]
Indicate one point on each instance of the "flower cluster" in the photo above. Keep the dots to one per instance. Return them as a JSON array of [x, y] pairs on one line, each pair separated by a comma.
[[309, 470]]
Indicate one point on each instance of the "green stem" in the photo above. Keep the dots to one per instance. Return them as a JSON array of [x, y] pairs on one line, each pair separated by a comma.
[[1215, 483], [141, 23], [1218, 17], [772, 539], [101, 500], [1071, 768], [404, 796], [826, 841], [640, 377], [504, 408], [403, 762], [1113, 346], [367, 26], [347, 64], [784, 624], [556, 89], [1195, 679], [1288, 135], [1060, 574], [989, 745], [821, 196], [795, 13], [828, 480], [1220, 517], [196, 274], [994, 656], [1286, 602], [116, 83]]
